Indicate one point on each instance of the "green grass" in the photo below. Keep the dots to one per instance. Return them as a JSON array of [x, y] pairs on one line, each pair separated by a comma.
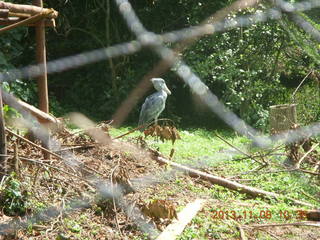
[[201, 148]]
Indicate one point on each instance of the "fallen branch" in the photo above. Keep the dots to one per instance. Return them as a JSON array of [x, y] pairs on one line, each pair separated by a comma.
[[184, 217], [239, 150], [255, 192], [307, 223], [306, 154]]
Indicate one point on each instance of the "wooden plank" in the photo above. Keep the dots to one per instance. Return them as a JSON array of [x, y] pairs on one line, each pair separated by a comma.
[[184, 217]]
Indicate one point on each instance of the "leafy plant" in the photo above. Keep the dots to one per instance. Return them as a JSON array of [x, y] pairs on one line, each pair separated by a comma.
[[13, 198]]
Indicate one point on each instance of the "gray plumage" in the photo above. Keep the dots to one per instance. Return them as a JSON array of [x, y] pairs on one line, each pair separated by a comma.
[[155, 103]]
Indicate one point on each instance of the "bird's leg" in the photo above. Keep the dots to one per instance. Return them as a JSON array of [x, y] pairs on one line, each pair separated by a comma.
[[156, 121]]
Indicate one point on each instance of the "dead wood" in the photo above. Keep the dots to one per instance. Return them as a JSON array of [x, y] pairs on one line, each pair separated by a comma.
[[242, 233], [12, 20], [184, 218], [19, 104], [306, 223], [239, 150], [27, 9], [48, 151], [252, 191], [32, 19], [306, 154]]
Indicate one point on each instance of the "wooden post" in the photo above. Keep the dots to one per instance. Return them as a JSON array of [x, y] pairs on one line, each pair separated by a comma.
[[41, 59], [3, 141], [282, 117], [42, 80]]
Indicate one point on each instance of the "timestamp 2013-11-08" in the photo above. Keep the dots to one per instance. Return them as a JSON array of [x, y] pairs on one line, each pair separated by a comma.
[[259, 214]]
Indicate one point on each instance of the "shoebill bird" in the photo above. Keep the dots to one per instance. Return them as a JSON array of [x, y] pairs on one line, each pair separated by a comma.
[[155, 103]]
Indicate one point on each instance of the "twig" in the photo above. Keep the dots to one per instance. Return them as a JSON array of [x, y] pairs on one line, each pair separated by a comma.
[[271, 234], [58, 169], [140, 127], [242, 233], [239, 150], [76, 147], [307, 195], [295, 91], [306, 154], [307, 223], [113, 198], [47, 151]]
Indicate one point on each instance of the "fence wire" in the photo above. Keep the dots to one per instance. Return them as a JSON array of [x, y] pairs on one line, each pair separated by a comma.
[[170, 59]]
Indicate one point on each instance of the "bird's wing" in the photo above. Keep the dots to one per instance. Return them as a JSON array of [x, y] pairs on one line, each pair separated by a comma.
[[151, 108]]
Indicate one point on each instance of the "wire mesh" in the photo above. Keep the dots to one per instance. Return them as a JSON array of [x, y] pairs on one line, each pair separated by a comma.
[[169, 60]]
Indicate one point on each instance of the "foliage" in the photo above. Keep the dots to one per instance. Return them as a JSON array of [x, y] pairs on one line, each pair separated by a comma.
[[13, 198], [248, 68]]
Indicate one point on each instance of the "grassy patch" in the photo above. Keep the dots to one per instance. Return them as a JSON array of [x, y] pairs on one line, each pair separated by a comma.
[[202, 149]]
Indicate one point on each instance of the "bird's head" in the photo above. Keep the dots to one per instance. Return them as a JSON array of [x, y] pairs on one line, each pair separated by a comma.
[[159, 84]]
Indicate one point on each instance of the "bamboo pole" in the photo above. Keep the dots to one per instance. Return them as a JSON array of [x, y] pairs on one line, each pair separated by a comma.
[[27, 9], [14, 20], [32, 19]]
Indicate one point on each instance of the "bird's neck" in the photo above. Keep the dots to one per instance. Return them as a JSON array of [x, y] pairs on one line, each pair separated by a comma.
[[163, 93]]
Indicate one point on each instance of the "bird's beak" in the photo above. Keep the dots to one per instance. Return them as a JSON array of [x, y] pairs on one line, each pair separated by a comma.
[[166, 89]]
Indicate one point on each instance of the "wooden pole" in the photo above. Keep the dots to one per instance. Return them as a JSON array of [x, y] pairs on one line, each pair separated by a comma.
[[42, 80], [3, 141], [41, 59]]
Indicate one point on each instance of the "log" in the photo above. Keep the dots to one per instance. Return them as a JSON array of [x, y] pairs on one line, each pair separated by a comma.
[[18, 104], [255, 192], [173, 230], [26, 9], [13, 20]]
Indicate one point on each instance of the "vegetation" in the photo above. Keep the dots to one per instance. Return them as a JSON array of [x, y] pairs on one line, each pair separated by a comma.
[[248, 68]]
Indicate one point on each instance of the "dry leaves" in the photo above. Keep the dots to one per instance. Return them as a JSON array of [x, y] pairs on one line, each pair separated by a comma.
[[164, 133], [157, 209]]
